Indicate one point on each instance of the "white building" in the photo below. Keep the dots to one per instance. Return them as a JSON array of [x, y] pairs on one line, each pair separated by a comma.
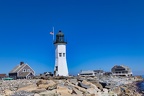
[[120, 70], [87, 73], [60, 68], [91, 73], [98, 72]]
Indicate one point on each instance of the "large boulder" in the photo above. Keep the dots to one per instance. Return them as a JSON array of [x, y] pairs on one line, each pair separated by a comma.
[[111, 93], [28, 88], [86, 82], [138, 78], [99, 94], [73, 81], [36, 95], [137, 94], [41, 82], [81, 79], [8, 92], [83, 90], [38, 90], [98, 85], [105, 90], [117, 90], [46, 84], [90, 84], [23, 93], [77, 92], [83, 85], [49, 93], [129, 92], [92, 91], [63, 91], [51, 87]]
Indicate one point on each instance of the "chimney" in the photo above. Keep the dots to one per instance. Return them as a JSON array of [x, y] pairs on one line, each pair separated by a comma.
[[21, 63]]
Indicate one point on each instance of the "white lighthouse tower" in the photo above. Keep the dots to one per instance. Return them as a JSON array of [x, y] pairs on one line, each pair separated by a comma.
[[60, 68]]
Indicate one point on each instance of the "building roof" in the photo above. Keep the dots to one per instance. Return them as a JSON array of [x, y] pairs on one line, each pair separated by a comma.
[[87, 72], [2, 75], [17, 68], [121, 66]]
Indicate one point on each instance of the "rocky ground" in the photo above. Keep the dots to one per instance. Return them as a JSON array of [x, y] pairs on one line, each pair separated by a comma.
[[71, 86]]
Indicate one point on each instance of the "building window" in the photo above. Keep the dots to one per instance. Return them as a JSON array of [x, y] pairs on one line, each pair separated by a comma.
[[60, 54], [63, 54], [24, 70], [56, 68]]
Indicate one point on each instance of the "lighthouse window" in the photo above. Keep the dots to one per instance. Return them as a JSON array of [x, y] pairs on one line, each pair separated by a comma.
[[63, 54], [56, 68], [60, 54]]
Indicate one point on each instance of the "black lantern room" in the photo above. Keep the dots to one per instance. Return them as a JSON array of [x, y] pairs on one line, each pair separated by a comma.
[[60, 38]]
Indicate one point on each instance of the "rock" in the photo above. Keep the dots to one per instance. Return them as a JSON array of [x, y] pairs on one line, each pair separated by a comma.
[[86, 82], [43, 86], [137, 94], [73, 81], [99, 94], [91, 78], [81, 79], [128, 92], [91, 91], [90, 84], [8, 92], [49, 93], [77, 92], [115, 86], [98, 85], [23, 93], [51, 87], [105, 90], [41, 82], [28, 88], [109, 86], [83, 90], [83, 85], [36, 95], [138, 77], [21, 85], [103, 84], [63, 90], [117, 90], [38, 90], [59, 81], [46, 84], [13, 88], [112, 94]]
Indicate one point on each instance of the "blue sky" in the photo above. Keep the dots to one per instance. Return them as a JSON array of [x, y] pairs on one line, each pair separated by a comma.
[[100, 33]]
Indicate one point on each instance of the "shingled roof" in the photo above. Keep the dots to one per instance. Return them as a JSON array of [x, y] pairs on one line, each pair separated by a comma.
[[17, 68]]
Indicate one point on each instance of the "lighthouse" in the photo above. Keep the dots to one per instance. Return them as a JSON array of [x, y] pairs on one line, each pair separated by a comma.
[[60, 68]]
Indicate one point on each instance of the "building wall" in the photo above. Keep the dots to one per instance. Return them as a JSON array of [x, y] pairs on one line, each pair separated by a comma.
[[121, 71], [30, 76], [25, 69], [2, 76], [60, 60], [13, 75]]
